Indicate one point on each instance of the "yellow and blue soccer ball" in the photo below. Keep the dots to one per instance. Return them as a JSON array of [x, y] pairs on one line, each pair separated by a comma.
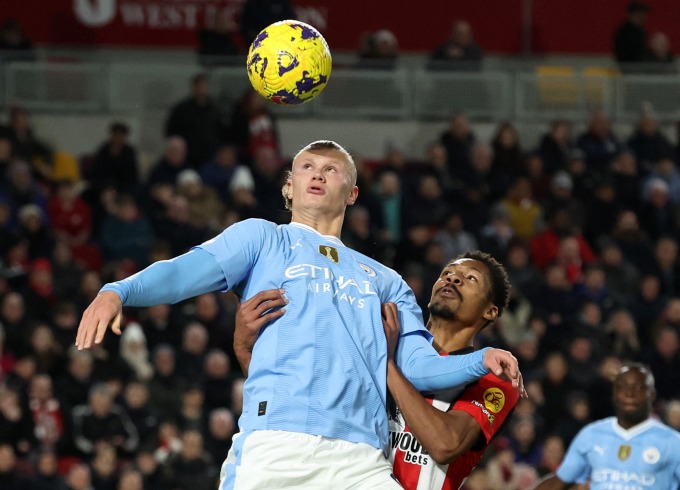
[[289, 62]]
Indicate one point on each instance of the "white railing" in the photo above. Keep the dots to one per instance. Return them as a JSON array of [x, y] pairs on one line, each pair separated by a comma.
[[402, 93], [56, 86], [355, 93], [661, 91], [481, 95], [146, 87], [541, 97]]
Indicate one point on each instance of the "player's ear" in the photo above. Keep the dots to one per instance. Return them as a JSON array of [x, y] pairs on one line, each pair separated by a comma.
[[289, 188], [491, 313], [354, 193]]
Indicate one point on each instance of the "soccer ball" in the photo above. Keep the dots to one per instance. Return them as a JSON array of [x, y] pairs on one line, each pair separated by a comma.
[[289, 62]]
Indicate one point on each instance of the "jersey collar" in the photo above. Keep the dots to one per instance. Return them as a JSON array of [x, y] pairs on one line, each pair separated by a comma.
[[465, 350], [633, 431], [331, 238]]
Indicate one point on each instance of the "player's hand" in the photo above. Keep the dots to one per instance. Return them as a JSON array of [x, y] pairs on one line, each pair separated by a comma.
[[391, 326], [254, 314], [504, 365], [106, 309]]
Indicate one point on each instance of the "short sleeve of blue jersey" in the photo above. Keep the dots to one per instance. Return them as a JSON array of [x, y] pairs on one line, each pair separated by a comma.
[[237, 248], [575, 467]]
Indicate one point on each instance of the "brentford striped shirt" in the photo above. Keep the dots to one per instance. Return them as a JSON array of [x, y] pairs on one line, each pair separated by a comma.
[[489, 401]]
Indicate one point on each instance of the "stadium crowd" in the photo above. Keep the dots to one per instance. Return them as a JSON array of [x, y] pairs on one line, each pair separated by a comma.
[[587, 226]]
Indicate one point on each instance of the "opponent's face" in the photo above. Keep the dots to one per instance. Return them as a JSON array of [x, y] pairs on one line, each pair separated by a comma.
[[321, 180], [632, 395], [463, 292]]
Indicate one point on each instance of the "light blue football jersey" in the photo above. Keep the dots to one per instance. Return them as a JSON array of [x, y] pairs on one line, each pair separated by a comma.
[[610, 457], [321, 367]]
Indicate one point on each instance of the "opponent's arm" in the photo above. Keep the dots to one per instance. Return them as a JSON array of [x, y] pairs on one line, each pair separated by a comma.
[[445, 435], [164, 282]]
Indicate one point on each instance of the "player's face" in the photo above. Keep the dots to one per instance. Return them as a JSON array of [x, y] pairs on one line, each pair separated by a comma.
[[321, 181], [632, 396], [462, 293]]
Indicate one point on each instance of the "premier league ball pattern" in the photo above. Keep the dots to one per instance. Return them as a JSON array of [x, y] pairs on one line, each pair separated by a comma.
[[289, 62]]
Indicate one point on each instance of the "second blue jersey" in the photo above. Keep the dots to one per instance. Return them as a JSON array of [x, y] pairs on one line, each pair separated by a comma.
[[645, 457]]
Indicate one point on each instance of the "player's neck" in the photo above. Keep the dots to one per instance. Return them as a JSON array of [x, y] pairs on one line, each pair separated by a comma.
[[323, 224], [449, 336], [629, 423]]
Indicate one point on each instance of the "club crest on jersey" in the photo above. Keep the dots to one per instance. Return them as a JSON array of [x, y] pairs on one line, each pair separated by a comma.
[[624, 452], [494, 399], [651, 455], [331, 253], [367, 270]]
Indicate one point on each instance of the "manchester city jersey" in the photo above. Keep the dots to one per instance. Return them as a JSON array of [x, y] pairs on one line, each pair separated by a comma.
[[644, 457], [314, 360], [321, 368]]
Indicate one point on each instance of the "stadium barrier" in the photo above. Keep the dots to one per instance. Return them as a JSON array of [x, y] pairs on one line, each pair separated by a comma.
[[541, 94]]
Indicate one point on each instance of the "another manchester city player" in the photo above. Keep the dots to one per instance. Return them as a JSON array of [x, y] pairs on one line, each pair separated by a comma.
[[628, 452], [314, 403]]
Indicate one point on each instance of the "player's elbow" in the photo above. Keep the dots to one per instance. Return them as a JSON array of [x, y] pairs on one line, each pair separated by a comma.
[[442, 457], [445, 450], [454, 440]]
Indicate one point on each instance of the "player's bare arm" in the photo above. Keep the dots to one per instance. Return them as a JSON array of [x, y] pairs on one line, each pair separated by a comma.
[[252, 315], [445, 435], [106, 309]]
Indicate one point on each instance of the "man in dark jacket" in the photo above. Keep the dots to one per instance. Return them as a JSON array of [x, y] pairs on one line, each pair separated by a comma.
[[630, 40], [198, 121]]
